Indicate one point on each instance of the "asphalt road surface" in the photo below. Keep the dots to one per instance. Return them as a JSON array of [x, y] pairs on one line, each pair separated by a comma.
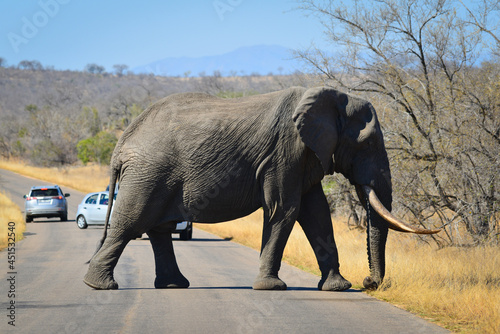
[[50, 296]]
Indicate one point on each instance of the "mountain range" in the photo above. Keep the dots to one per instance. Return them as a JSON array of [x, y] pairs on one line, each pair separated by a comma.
[[259, 59]]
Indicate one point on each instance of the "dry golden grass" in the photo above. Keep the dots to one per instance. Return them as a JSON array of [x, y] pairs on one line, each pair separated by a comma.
[[10, 212], [457, 288], [86, 179]]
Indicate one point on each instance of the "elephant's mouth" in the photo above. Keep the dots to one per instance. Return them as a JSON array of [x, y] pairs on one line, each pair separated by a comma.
[[393, 222]]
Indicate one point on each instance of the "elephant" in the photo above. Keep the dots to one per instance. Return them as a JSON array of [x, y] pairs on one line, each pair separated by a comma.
[[201, 158]]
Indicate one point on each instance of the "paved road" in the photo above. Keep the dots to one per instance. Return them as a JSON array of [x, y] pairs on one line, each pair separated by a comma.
[[50, 296]]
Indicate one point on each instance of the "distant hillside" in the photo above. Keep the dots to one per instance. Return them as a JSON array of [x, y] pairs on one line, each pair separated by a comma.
[[45, 113], [261, 59], [70, 91]]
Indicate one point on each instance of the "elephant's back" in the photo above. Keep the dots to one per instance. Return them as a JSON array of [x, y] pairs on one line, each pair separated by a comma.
[[205, 106], [195, 123]]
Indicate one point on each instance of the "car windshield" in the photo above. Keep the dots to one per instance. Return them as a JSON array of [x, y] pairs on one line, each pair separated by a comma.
[[44, 192], [92, 199]]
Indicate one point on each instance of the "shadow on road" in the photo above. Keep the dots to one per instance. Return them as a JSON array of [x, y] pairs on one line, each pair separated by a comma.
[[174, 239], [250, 288], [210, 240], [198, 288], [46, 221]]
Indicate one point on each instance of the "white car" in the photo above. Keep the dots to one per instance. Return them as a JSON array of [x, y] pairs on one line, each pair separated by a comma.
[[92, 211]]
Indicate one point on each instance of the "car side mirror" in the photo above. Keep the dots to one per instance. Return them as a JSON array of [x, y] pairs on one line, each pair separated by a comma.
[[25, 196], [66, 195]]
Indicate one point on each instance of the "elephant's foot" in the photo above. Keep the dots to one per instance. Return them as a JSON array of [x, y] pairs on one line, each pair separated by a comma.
[[171, 282], [100, 282], [334, 282], [269, 283], [371, 284]]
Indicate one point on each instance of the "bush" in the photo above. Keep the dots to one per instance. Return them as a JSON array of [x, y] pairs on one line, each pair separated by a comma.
[[98, 148]]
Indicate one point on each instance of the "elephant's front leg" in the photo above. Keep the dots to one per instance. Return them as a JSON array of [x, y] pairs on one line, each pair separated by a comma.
[[315, 220], [168, 274], [274, 237], [279, 218]]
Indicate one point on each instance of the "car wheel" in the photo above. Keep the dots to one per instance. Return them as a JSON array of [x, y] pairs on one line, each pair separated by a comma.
[[64, 217], [29, 219], [81, 222]]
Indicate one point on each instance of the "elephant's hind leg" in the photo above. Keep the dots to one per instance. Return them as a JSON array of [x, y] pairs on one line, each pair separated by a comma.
[[168, 274], [100, 272]]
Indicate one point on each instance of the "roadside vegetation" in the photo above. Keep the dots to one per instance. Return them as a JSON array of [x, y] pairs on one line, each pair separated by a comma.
[[432, 71], [10, 213], [82, 178]]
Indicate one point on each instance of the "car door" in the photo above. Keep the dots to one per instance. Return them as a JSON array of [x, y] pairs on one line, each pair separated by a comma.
[[100, 209], [89, 208]]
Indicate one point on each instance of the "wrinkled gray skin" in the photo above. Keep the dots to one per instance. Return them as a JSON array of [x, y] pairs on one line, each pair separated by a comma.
[[201, 158]]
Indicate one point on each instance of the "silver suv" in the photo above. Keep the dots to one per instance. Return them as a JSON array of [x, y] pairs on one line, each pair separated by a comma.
[[46, 201]]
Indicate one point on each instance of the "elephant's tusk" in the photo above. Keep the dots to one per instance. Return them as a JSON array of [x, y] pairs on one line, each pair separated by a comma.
[[394, 223]]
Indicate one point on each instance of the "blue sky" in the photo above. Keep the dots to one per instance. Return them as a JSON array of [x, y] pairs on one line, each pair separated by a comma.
[[69, 34]]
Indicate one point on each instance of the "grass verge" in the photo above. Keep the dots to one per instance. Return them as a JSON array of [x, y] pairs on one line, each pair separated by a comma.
[[86, 179], [10, 213]]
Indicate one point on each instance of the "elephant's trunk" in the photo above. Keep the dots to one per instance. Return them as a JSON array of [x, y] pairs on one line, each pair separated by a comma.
[[380, 220], [376, 238]]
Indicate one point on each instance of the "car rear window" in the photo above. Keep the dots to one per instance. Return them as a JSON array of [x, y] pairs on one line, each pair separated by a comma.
[[44, 192]]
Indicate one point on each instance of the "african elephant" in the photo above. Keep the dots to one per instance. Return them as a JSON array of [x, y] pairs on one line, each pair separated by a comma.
[[201, 158]]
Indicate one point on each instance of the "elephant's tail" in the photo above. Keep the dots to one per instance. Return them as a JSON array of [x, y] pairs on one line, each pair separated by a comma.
[[115, 174]]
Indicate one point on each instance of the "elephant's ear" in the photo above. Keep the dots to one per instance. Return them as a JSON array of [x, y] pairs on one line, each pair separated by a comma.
[[317, 118]]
